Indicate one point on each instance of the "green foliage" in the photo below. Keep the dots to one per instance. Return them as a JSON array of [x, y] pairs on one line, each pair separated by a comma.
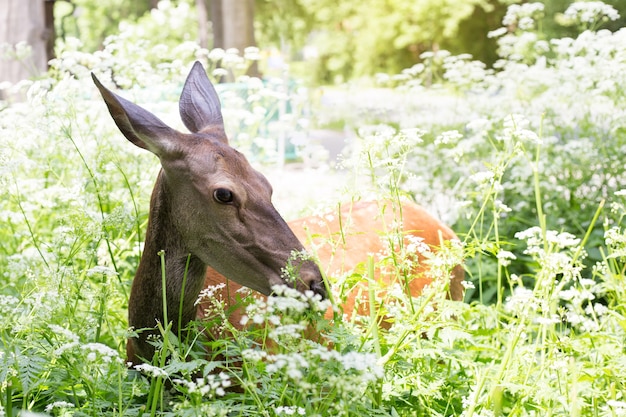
[[526, 161], [362, 38], [92, 21]]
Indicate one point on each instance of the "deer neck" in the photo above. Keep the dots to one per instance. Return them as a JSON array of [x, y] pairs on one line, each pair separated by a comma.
[[181, 268]]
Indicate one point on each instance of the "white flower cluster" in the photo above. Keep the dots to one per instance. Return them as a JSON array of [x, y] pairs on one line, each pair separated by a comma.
[[516, 130], [312, 361], [290, 410], [448, 137], [151, 370], [505, 257], [70, 338], [285, 300], [7, 305], [209, 293], [522, 300], [522, 15], [58, 404], [615, 239], [97, 351], [294, 365], [535, 240], [590, 12], [210, 386]]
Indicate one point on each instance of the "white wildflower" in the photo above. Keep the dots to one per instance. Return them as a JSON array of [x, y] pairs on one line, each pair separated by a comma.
[[289, 330], [468, 285], [497, 33], [590, 12], [292, 364], [562, 240], [520, 299], [448, 137], [58, 404], [253, 355], [597, 309], [482, 177], [94, 350], [290, 410], [209, 292], [151, 370], [617, 407], [527, 136], [219, 72], [501, 207], [505, 257], [216, 54], [252, 53], [416, 244], [72, 339], [516, 12]]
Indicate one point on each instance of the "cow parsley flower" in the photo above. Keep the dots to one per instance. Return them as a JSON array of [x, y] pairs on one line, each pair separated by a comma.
[[590, 12], [505, 257], [448, 137], [151, 370], [290, 410], [522, 15], [105, 353], [58, 404]]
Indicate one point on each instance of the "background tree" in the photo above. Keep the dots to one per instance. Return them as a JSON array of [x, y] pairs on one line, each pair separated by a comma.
[[24, 38], [233, 23]]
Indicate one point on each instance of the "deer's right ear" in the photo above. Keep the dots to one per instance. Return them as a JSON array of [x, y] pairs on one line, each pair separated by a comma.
[[139, 125], [199, 103]]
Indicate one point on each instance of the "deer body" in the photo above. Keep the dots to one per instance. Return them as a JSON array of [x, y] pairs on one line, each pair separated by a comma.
[[209, 206]]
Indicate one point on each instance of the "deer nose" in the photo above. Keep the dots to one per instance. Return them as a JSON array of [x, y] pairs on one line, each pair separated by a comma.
[[318, 287], [312, 278]]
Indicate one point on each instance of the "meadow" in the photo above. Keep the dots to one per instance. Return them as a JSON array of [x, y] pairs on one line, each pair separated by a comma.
[[525, 161]]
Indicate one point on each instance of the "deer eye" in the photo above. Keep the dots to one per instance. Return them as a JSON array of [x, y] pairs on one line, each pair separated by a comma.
[[223, 195]]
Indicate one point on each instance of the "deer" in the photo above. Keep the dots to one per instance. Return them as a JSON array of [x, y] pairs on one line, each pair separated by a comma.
[[211, 220], [209, 206]]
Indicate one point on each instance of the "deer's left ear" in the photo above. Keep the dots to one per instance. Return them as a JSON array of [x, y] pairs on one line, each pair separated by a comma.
[[199, 105], [140, 126]]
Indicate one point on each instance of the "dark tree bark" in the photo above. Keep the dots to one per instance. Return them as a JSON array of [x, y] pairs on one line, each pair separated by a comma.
[[49, 34]]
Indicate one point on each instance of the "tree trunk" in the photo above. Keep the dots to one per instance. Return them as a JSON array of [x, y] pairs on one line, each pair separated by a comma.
[[238, 24], [217, 22], [50, 33], [23, 21], [233, 23], [233, 26], [203, 23]]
